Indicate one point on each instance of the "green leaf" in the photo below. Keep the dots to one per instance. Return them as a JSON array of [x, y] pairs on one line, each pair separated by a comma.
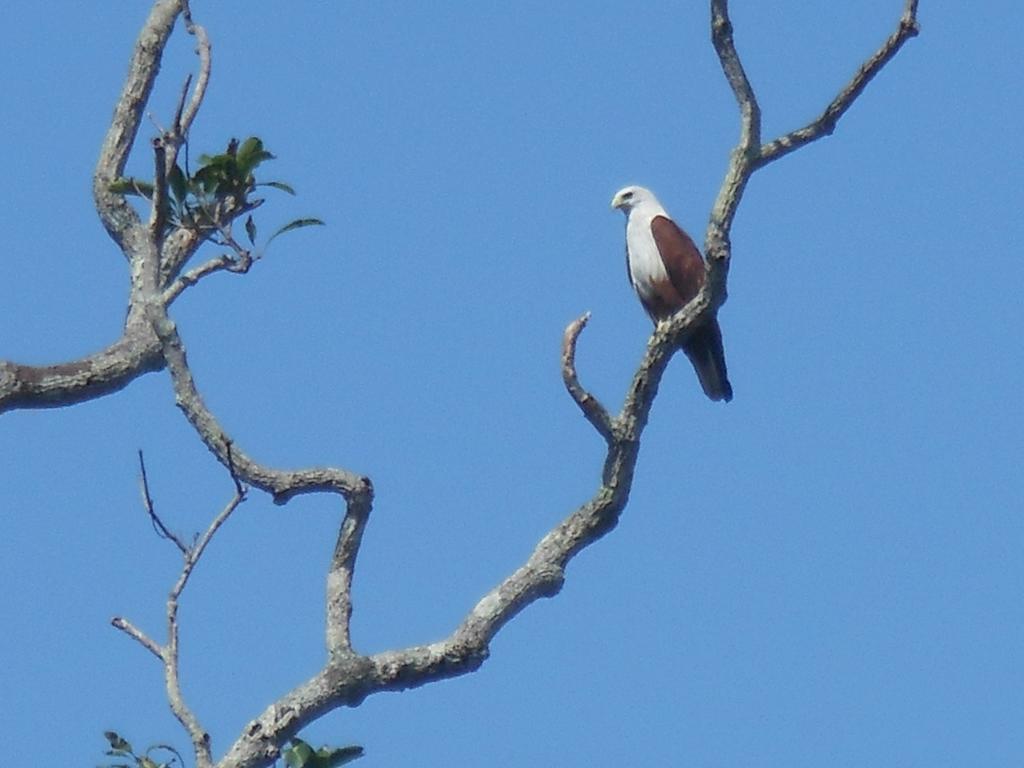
[[250, 154], [298, 755], [116, 742], [278, 185], [331, 758], [178, 183], [217, 160], [146, 762], [297, 224], [250, 230], [208, 180], [132, 186]]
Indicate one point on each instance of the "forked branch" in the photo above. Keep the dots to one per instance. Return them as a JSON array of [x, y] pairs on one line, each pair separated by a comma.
[[168, 653], [750, 154]]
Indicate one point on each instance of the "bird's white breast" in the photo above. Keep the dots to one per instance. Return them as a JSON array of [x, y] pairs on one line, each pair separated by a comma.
[[645, 264]]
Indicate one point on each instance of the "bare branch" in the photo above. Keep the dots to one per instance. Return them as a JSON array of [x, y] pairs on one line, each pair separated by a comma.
[[592, 408], [282, 484], [750, 112], [749, 155], [168, 654], [99, 374], [118, 217], [348, 678], [178, 249], [339, 576], [193, 555], [223, 263], [176, 122], [138, 635], [158, 214], [184, 122], [825, 124], [158, 524], [172, 675]]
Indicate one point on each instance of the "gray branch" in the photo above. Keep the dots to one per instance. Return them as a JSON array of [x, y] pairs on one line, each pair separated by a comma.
[[592, 409], [168, 654], [118, 217], [749, 154], [103, 373]]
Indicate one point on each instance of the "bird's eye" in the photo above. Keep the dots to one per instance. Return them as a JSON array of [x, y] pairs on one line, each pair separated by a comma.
[[627, 195]]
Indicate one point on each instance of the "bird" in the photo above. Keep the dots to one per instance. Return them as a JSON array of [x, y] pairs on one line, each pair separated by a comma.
[[667, 271]]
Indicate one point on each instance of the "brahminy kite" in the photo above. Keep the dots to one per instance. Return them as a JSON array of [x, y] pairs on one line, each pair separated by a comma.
[[666, 271]]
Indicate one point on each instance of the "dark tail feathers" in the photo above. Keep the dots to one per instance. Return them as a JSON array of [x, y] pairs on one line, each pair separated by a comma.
[[704, 348]]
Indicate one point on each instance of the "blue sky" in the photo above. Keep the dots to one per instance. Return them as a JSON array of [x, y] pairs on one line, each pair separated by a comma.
[[826, 571]]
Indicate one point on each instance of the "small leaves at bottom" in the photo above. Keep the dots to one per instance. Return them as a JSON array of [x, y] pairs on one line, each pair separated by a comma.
[[250, 230], [301, 755], [120, 747], [117, 744]]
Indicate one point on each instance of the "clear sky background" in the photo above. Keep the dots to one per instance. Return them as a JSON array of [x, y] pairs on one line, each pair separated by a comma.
[[827, 571]]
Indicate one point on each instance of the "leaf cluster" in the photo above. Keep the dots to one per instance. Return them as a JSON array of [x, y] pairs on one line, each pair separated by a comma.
[[301, 755], [121, 748], [221, 189]]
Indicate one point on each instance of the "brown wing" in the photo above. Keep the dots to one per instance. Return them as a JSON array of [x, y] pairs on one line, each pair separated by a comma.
[[681, 258], [685, 269]]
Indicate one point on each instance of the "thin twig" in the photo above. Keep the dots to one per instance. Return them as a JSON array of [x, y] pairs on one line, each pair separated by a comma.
[[200, 738], [239, 488], [158, 525], [178, 129], [205, 64], [138, 635], [160, 204], [223, 263]]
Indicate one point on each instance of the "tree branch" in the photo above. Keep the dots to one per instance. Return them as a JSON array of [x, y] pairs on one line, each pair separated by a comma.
[[223, 263], [137, 351], [53, 386], [592, 409], [172, 677], [138, 635], [118, 217], [158, 525], [183, 121], [750, 112], [168, 654], [825, 124], [749, 155], [281, 484], [340, 575]]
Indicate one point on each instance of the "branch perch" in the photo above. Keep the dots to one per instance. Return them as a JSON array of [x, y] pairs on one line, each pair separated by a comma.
[[592, 409]]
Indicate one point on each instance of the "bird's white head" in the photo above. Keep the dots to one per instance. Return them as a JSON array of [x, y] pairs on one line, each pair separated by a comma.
[[628, 198]]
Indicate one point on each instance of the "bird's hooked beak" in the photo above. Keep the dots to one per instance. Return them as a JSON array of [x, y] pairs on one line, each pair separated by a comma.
[[619, 201]]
